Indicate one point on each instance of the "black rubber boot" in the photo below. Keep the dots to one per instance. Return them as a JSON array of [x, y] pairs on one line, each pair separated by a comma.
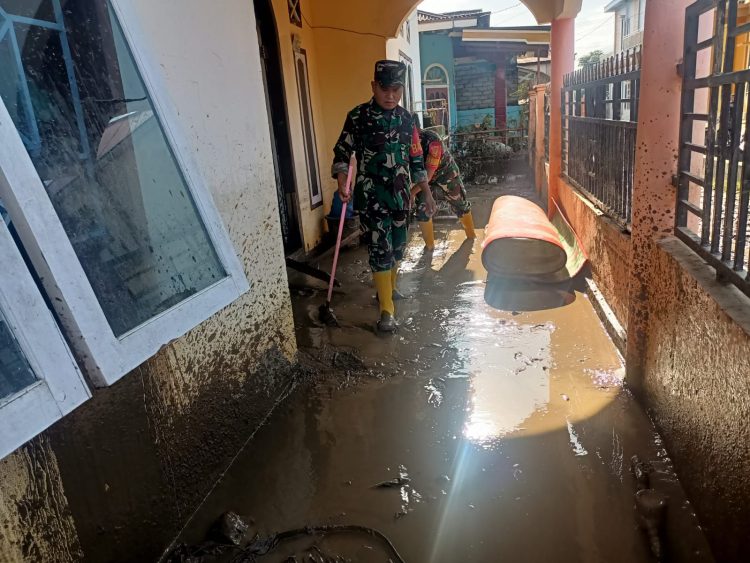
[[386, 323]]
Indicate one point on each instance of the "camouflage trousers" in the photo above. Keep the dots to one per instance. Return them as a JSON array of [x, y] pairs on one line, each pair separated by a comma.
[[455, 195], [385, 232]]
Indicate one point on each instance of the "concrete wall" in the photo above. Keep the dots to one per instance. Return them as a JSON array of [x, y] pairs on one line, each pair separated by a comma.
[[116, 479], [697, 384]]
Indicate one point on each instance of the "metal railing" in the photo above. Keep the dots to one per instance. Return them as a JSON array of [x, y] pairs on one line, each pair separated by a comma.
[[599, 122], [714, 166]]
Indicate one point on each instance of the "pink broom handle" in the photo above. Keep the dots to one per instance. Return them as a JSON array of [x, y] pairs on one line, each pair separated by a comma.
[[349, 174]]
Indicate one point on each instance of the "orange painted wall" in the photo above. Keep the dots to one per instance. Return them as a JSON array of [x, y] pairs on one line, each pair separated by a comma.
[[609, 249]]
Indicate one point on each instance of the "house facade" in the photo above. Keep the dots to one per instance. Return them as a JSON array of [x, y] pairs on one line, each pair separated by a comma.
[[405, 48], [157, 163], [470, 70], [629, 18]]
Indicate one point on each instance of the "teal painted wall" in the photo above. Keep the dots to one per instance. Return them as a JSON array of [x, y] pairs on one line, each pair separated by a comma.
[[513, 117], [475, 116], [436, 48]]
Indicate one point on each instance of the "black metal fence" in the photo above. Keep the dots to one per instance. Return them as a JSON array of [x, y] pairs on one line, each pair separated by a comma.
[[599, 122], [714, 171]]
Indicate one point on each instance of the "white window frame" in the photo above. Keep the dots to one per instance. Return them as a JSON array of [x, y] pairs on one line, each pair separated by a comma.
[[60, 386], [105, 356], [408, 99], [435, 84], [311, 153]]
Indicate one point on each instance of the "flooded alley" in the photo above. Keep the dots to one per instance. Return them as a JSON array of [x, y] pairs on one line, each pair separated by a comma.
[[494, 435]]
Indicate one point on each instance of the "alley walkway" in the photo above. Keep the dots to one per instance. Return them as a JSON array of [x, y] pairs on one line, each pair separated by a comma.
[[512, 430]]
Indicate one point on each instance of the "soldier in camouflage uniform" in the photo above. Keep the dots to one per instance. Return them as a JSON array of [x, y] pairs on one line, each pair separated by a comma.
[[389, 155], [442, 173]]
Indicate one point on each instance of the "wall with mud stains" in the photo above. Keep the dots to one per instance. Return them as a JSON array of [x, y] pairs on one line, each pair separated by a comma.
[[697, 384], [116, 480], [608, 248]]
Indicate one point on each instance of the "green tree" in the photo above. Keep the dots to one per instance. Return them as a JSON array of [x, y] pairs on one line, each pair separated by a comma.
[[592, 58]]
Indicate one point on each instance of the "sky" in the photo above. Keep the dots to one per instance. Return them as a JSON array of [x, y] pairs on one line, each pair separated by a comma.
[[594, 27]]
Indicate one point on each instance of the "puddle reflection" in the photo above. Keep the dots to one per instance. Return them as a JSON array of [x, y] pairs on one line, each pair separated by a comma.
[[507, 364], [508, 294]]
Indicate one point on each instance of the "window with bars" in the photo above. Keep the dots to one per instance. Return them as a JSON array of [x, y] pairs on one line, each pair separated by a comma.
[[714, 163]]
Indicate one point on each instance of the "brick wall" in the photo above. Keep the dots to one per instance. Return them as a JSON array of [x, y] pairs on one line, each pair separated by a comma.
[[475, 86]]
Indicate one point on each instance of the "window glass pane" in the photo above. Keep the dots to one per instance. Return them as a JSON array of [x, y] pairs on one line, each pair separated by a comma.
[[37, 9], [15, 372], [86, 119]]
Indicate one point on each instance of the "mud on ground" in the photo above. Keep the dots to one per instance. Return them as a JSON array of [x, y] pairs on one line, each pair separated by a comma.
[[504, 435]]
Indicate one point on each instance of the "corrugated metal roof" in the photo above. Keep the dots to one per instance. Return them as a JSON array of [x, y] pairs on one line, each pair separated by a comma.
[[424, 17]]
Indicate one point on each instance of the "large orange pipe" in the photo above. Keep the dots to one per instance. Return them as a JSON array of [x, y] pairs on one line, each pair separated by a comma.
[[520, 240]]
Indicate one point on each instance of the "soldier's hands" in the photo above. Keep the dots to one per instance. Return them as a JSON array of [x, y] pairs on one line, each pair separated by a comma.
[[429, 201], [341, 179], [413, 195]]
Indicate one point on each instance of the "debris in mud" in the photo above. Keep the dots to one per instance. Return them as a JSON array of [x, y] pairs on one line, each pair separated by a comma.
[[229, 528], [345, 359], [398, 482], [642, 471], [204, 552], [258, 546], [650, 505], [435, 387]]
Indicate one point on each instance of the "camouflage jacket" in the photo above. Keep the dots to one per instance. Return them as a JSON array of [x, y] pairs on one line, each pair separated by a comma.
[[389, 155], [439, 163]]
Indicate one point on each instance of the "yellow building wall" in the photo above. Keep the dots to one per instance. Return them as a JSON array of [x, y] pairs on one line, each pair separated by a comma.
[[342, 39], [311, 220]]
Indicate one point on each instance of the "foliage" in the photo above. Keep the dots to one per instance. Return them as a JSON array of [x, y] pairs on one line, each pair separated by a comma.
[[592, 58]]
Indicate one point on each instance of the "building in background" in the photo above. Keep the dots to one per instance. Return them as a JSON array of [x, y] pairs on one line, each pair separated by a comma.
[[469, 69], [629, 18], [405, 48]]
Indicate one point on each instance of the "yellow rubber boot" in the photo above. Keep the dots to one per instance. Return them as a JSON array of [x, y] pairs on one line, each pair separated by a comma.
[[384, 286], [468, 222], [428, 234]]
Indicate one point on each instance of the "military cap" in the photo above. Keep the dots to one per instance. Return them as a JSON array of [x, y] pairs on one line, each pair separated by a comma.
[[388, 73]]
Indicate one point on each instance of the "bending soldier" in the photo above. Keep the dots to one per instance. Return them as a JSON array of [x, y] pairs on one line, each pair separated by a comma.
[[443, 173]]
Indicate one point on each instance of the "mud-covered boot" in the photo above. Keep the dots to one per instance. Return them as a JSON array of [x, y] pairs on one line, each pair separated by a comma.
[[386, 323]]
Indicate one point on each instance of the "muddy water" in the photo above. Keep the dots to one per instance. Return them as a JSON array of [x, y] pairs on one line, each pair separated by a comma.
[[513, 429]]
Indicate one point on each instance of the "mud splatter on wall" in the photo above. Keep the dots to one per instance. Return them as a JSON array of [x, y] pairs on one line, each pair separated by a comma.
[[116, 479], [698, 387], [35, 520]]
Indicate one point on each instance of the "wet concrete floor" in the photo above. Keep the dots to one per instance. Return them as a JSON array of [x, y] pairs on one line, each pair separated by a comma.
[[513, 429]]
